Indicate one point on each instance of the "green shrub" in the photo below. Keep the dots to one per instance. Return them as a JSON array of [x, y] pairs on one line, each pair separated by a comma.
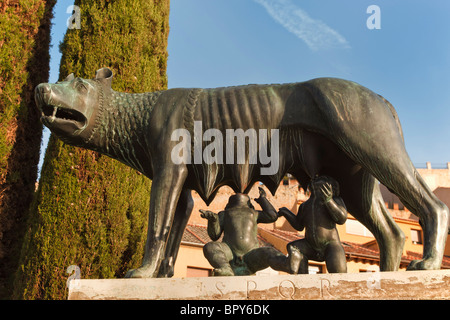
[[89, 210], [24, 63]]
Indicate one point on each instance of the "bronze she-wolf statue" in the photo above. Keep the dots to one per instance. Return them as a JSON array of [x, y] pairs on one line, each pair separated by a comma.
[[324, 126]]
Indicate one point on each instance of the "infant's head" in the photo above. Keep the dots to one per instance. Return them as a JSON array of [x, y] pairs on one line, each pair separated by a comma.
[[239, 200]]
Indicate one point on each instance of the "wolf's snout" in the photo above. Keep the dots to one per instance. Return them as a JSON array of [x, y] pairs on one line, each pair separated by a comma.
[[43, 88], [42, 94]]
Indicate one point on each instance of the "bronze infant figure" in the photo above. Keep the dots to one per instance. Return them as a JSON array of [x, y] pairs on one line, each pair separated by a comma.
[[239, 252], [318, 216]]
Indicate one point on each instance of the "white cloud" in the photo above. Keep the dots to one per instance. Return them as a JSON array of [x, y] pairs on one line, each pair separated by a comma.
[[316, 34]]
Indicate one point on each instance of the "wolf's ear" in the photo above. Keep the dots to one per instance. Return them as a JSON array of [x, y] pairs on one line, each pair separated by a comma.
[[70, 77], [105, 75]]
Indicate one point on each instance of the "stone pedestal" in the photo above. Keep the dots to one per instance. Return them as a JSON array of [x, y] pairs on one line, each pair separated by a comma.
[[350, 286]]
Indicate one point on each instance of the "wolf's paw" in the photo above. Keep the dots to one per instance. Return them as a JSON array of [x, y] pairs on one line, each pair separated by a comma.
[[141, 272], [424, 264]]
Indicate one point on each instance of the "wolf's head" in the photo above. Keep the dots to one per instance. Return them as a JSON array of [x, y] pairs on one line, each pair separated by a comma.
[[70, 108]]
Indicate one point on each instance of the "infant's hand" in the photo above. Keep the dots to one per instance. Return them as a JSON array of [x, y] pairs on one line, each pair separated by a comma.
[[209, 215], [326, 191], [262, 192]]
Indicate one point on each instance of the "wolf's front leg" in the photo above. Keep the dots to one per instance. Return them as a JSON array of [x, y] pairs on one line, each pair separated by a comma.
[[180, 220], [166, 188]]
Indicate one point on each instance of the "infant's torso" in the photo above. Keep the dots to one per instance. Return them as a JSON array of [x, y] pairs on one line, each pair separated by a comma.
[[240, 230]]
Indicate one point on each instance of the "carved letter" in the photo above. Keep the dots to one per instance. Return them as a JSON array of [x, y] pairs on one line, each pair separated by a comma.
[[221, 285], [325, 287], [248, 290], [284, 288]]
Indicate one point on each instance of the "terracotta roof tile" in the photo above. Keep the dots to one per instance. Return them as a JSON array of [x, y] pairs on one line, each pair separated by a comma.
[[285, 235], [355, 248], [196, 234]]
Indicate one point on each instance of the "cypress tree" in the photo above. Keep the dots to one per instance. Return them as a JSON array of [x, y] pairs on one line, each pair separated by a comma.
[[91, 211], [24, 63]]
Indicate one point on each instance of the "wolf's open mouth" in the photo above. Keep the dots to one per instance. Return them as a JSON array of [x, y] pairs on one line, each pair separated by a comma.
[[53, 113]]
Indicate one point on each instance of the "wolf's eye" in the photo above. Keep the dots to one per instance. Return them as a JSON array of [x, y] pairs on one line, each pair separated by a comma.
[[79, 85]]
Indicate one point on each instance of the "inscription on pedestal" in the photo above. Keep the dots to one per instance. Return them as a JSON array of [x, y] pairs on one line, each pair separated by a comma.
[[384, 285]]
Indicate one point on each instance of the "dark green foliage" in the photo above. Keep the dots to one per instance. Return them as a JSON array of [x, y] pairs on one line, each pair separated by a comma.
[[24, 63], [91, 211]]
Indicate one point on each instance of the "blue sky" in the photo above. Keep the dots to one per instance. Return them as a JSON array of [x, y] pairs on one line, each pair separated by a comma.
[[216, 43]]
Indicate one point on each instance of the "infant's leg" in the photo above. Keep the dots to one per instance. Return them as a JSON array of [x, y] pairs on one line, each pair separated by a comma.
[[264, 257], [219, 256], [335, 258], [298, 256]]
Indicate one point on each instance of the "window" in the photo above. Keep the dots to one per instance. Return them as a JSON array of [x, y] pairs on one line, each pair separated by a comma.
[[192, 272], [357, 228], [416, 236], [314, 269], [370, 269]]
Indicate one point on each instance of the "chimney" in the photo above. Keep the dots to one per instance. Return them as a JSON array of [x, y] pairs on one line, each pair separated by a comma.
[[429, 165]]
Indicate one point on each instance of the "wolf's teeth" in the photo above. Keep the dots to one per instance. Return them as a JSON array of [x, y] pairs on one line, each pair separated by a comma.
[[53, 117]]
